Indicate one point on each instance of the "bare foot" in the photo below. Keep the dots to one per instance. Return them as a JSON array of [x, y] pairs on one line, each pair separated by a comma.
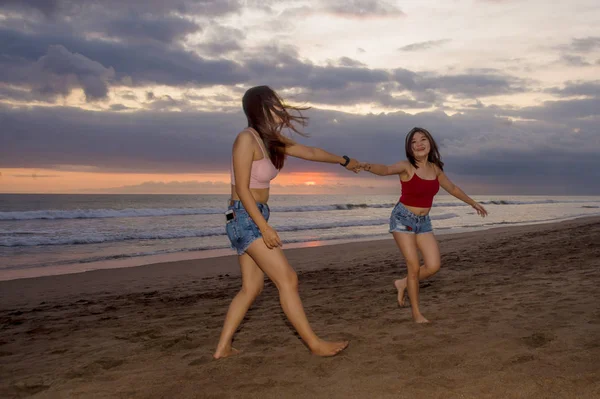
[[420, 319], [227, 352], [325, 348], [401, 287]]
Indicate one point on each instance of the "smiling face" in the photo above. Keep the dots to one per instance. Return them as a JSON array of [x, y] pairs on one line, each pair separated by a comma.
[[420, 145]]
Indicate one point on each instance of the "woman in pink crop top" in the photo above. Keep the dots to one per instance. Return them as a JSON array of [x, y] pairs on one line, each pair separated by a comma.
[[421, 176], [259, 152]]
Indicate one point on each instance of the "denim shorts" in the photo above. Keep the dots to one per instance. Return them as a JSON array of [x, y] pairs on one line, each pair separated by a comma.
[[241, 230], [404, 221]]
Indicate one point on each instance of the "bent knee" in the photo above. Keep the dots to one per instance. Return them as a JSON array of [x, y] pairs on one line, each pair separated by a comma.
[[288, 281], [434, 266], [413, 270]]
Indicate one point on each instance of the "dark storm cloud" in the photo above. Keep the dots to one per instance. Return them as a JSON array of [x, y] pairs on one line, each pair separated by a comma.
[[424, 45], [560, 110], [574, 60], [585, 45], [61, 70], [57, 72], [364, 8], [477, 83], [578, 88], [474, 85], [46, 7], [144, 63], [221, 40], [335, 78], [150, 63], [149, 52], [147, 48], [79, 8], [45, 60], [406, 78], [480, 142], [343, 85], [163, 29], [574, 53], [139, 141], [352, 94], [282, 68]]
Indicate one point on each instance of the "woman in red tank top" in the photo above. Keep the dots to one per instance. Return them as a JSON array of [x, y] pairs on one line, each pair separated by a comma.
[[421, 176]]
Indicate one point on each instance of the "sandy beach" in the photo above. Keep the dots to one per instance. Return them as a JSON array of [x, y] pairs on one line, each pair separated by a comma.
[[515, 314]]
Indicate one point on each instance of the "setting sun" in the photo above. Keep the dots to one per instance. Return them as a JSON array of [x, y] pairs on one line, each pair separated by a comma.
[[310, 183]]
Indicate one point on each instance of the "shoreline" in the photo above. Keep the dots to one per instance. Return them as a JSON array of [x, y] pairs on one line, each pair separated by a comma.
[[162, 274], [149, 260]]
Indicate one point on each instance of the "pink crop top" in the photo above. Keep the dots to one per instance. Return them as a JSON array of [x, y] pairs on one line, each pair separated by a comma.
[[263, 170]]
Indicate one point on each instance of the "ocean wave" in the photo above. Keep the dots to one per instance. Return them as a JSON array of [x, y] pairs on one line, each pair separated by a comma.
[[106, 213], [151, 212], [43, 239], [158, 212], [95, 238]]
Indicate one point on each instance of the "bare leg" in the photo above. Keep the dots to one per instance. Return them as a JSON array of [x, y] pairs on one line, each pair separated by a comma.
[[274, 263], [408, 246], [428, 246], [253, 280]]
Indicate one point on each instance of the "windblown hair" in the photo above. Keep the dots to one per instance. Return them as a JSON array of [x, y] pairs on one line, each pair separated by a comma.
[[434, 154], [268, 114]]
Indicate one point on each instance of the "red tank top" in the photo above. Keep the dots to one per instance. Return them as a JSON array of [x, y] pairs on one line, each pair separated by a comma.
[[419, 192]]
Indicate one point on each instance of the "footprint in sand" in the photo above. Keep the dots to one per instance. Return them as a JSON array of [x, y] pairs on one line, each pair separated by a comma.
[[108, 363], [29, 389], [94, 368], [537, 340], [519, 359], [200, 361]]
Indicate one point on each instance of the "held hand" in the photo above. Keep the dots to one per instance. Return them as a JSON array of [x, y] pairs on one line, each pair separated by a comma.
[[365, 166], [270, 237], [480, 210], [353, 165]]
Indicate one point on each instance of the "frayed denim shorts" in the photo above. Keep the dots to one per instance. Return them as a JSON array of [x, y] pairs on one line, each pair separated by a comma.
[[241, 230], [404, 221]]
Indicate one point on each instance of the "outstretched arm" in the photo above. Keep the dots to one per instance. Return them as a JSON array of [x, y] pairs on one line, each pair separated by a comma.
[[454, 190], [315, 154], [385, 170]]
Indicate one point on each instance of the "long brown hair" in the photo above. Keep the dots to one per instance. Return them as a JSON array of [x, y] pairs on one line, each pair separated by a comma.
[[260, 104], [433, 156]]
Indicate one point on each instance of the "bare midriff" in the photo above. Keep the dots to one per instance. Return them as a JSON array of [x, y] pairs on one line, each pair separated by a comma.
[[417, 211], [259, 194]]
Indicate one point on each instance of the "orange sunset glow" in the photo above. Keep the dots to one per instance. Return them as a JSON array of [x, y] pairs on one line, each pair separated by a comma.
[[67, 181]]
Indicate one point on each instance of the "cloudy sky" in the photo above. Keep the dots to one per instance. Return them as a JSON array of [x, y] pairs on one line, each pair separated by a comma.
[[140, 96]]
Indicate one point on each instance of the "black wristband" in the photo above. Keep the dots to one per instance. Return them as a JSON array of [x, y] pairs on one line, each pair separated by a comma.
[[347, 160]]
